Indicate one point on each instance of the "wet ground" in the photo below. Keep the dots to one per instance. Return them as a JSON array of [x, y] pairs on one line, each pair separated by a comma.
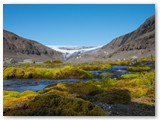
[[21, 85], [114, 72]]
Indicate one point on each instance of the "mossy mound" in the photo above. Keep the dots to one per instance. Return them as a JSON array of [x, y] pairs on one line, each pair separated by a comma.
[[13, 97], [46, 73], [79, 90], [55, 105], [138, 68], [93, 66], [129, 76], [113, 96]]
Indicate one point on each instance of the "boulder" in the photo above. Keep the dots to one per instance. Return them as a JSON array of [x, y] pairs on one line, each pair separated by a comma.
[[28, 61], [118, 60], [133, 60], [9, 61]]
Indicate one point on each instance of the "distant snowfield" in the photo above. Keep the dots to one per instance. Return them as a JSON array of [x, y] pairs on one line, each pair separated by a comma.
[[69, 50]]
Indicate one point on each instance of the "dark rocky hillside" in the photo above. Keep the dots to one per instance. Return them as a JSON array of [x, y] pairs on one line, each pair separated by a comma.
[[20, 49], [142, 38], [140, 43]]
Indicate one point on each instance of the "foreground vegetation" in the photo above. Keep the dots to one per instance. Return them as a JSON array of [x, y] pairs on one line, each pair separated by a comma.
[[56, 105], [78, 98], [135, 91]]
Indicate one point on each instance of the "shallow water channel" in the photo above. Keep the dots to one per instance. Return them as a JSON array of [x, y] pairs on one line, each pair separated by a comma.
[[21, 85]]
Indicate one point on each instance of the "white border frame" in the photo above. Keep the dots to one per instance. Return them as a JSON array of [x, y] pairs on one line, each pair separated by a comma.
[[157, 2]]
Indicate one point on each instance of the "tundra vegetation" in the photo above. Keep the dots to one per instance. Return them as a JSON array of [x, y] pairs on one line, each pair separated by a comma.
[[53, 70], [136, 90]]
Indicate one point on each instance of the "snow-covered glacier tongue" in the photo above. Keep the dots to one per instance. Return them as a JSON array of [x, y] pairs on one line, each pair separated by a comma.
[[73, 50]]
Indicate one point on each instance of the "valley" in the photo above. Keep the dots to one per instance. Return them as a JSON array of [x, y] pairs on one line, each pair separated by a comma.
[[116, 79]]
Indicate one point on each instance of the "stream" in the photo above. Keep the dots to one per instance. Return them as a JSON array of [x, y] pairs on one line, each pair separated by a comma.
[[21, 85]]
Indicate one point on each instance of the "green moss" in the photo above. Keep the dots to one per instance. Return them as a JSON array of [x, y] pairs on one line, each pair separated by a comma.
[[46, 73], [55, 105], [108, 83], [106, 75], [138, 92], [129, 76], [61, 85], [72, 72], [139, 86], [120, 62], [12, 97], [73, 99], [53, 62], [9, 73], [139, 68], [113, 96], [85, 88], [146, 59], [19, 73], [93, 65], [106, 66]]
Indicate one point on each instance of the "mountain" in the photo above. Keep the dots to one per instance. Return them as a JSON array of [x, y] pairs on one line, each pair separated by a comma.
[[140, 43], [141, 40], [20, 48]]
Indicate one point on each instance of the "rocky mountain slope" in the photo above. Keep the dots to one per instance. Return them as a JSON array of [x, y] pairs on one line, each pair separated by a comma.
[[140, 43], [20, 49]]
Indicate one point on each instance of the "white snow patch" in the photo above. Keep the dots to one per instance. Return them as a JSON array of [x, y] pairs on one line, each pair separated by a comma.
[[69, 50]]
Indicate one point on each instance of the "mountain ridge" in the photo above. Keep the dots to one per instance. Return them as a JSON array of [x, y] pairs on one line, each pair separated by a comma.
[[20, 48], [140, 43]]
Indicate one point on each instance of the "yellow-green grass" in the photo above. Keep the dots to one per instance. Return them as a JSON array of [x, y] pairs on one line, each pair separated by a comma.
[[138, 68], [93, 66], [45, 73], [12, 97], [120, 62], [129, 76]]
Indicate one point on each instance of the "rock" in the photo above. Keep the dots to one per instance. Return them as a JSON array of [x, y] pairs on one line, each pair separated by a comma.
[[9, 61], [105, 106], [133, 60], [114, 77], [118, 60], [28, 61]]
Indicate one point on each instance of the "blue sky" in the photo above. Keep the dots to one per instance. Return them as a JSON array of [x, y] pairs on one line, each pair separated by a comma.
[[82, 25]]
